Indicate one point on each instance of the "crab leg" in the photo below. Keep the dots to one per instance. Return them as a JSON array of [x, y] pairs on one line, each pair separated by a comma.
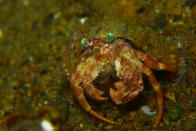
[[159, 93], [79, 94], [152, 63], [93, 92]]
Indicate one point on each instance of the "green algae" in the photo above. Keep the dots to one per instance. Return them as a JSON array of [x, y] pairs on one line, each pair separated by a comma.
[[175, 113]]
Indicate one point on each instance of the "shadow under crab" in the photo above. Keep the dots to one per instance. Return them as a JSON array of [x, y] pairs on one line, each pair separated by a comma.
[[115, 55]]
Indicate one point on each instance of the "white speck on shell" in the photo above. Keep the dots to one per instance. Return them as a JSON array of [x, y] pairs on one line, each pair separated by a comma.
[[117, 65]]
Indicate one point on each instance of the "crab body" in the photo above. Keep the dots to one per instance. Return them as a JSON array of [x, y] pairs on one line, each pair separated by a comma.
[[129, 64]]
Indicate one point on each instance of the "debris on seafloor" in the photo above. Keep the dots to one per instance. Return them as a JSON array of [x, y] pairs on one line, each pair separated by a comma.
[[147, 111]]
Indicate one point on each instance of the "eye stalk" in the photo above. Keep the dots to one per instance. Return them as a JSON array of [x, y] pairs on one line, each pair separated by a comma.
[[85, 42], [110, 37]]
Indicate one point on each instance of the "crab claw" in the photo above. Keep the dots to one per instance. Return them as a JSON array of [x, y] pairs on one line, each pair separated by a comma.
[[119, 96], [122, 96], [124, 93], [94, 92], [114, 95]]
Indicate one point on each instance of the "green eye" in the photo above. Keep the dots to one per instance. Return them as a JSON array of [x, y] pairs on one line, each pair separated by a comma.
[[85, 42], [110, 37]]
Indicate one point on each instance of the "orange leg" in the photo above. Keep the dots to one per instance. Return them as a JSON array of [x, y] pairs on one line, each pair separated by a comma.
[[79, 94], [150, 62], [153, 64], [93, 92], [159, 93]]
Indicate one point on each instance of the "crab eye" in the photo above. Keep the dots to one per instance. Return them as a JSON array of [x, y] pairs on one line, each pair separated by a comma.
[[110, 37], [85, 42]]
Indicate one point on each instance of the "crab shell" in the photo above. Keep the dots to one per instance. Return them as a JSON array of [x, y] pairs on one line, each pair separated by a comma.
[[129, 64]]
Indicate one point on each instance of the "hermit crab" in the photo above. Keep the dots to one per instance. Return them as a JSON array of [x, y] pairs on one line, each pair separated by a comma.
[[115, 54]]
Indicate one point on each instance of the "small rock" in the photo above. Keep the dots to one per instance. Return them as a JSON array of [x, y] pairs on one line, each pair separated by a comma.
[[147, 111], [47, 125]]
